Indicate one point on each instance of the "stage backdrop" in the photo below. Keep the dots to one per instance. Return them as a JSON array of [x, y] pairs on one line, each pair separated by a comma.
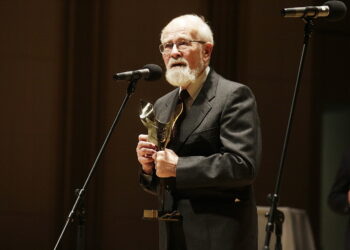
[[58, 100]]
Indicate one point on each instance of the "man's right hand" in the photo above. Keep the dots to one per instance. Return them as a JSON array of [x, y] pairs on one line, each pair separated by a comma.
[[145, 150]]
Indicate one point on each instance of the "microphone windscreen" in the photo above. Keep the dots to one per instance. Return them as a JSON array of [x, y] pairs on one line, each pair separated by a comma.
[[337, 10], [155, 72]]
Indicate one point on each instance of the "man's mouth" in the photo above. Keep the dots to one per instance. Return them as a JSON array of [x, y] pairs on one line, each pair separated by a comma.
[[178, 65]]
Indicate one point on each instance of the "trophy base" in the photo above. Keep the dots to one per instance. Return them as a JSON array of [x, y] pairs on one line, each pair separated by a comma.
[[151, 214]]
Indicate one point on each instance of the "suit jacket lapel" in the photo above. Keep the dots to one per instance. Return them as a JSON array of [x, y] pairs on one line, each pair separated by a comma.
[[166, 109], [200, 108]]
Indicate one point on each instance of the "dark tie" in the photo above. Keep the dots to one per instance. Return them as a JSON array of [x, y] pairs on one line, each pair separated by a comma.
[[168, 203], [180, 113]]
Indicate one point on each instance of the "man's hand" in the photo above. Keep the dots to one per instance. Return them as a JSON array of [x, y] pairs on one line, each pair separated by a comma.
[[165, 163], [145, 152]]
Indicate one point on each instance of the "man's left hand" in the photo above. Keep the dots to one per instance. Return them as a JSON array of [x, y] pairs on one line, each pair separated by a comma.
[[166, 162]]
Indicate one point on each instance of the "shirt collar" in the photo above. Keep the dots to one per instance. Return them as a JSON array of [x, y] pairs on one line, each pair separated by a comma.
[[195, 87]]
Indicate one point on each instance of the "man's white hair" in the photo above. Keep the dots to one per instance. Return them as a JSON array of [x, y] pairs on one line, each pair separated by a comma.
[[192, 22]]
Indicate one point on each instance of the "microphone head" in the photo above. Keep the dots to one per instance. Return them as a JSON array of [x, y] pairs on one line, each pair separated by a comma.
[[155, 72], [337, 10]]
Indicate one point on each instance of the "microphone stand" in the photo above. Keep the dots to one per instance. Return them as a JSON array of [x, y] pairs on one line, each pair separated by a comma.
[[275, 216], [78, 209]]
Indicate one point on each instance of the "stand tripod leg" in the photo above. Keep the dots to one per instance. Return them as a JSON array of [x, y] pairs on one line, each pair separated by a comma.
[[279, 219]]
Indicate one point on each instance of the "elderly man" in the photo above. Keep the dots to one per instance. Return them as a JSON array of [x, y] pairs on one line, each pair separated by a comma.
[[214, 154]]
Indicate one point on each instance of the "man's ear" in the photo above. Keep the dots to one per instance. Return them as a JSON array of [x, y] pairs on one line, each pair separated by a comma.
[[207, 49]]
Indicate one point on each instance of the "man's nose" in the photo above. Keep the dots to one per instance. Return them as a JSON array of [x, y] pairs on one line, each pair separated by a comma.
[[175, 53]]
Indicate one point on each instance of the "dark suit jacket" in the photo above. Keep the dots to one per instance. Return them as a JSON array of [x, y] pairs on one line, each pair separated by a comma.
[[219, 151], [338, 197]]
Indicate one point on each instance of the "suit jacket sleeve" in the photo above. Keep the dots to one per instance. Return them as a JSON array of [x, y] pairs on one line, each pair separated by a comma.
[[148, 182], [338, 197], [235, 164]]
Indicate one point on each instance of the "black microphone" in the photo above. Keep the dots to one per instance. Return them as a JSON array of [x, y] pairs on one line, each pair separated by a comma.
[[332, 10], [150, 72]]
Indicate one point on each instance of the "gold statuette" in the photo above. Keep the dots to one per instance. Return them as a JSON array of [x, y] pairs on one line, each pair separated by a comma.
[[159, 134]]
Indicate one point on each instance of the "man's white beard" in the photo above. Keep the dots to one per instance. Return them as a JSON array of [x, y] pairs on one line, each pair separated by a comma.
[[181, 76]]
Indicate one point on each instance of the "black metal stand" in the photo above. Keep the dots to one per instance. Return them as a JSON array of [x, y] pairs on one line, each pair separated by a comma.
[[78, 209], [276, 217]]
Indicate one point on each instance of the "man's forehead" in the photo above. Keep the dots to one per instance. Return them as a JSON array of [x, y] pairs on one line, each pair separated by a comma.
[[175, 33]]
